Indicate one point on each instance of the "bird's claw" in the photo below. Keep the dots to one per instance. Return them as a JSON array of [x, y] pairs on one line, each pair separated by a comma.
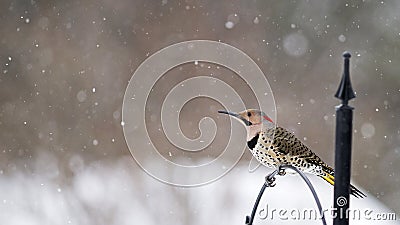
[[270, 180], [281, 172]]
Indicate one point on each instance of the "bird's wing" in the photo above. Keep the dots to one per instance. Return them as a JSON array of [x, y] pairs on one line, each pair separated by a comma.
[[295, 146], [315, 160], [280, 144]]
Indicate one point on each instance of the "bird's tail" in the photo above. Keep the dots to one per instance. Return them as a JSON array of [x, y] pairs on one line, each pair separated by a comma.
[[353, 190]]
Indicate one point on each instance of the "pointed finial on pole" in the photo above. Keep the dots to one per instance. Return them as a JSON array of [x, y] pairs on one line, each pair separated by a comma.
[[344, 131], [345, 91]]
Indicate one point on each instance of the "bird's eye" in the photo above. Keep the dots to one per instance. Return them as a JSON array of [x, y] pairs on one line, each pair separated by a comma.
[[249, 114]]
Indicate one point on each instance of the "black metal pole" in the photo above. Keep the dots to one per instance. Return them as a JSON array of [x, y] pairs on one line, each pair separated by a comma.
[[344, 129]]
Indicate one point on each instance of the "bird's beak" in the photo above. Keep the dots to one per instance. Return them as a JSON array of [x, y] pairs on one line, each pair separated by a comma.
[[246, 122]]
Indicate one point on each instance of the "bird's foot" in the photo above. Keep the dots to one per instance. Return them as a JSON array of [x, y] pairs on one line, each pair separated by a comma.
[[281, 172], [270, 180]]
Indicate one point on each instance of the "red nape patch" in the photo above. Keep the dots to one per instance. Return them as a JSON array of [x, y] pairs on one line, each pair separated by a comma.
[[267, 118]]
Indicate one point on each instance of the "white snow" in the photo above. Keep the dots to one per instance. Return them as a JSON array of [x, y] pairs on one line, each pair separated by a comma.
[[231, 21], [367, 130], [295, 44], [81, 96], [95, 142], [116, 114], [229, 25], [256, 20], [342, 38], [119, 192]]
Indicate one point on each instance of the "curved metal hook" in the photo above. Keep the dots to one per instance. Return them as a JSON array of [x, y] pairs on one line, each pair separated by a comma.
[[269, 182]]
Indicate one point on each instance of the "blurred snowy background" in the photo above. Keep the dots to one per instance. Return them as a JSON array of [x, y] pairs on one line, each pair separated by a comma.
[[65, 66]]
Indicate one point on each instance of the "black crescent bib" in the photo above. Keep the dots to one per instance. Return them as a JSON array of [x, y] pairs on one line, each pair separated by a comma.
[[253, 142]]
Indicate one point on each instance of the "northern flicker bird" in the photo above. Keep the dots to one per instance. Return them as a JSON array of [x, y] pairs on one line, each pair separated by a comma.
[[273, 146]]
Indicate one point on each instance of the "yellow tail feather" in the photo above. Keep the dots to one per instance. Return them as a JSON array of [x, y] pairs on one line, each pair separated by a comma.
[[353, 190], [329, 178]]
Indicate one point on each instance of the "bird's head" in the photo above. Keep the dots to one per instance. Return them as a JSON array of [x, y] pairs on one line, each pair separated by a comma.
[[253, 119]]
